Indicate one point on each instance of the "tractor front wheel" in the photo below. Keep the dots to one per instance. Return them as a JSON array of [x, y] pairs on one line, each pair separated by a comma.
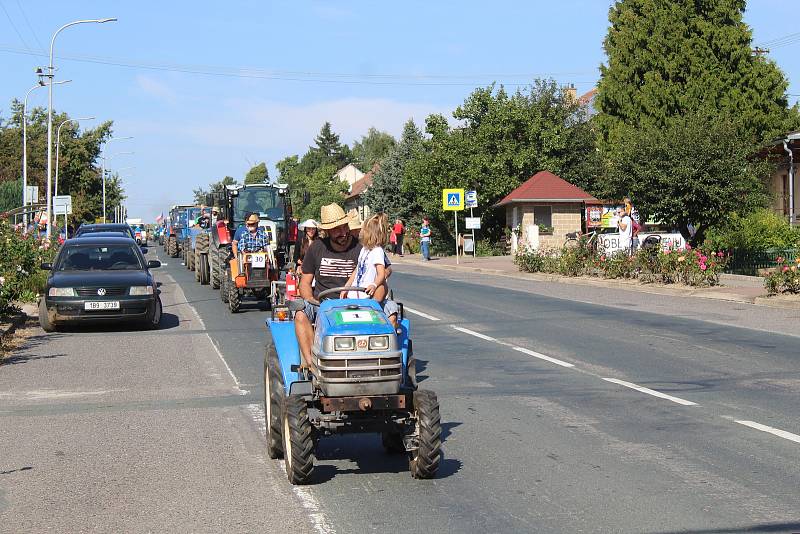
[[274, 393], [298, 442], [425, 459], [203, 268], [196, 266], [234, 297], [213, 260], [172, 247], [223, 285]]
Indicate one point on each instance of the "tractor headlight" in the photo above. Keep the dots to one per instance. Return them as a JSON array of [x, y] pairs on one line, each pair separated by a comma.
[[61, 292], [378, 342], [344, 343], [141, 290]]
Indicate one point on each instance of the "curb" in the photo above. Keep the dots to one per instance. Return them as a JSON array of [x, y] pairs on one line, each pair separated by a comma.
[[618, 284]]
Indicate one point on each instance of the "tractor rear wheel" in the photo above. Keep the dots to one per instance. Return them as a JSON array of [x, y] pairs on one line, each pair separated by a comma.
[[274, 392], [425, 459], [202, 268], [223, 285], [234, 297], [298, 442], [172, 249]]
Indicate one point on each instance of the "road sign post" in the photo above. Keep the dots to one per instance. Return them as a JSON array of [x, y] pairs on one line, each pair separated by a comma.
[[453, 200], [471, 198]]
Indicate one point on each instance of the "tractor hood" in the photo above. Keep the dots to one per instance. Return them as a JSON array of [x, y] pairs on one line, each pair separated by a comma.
[[354, 317]]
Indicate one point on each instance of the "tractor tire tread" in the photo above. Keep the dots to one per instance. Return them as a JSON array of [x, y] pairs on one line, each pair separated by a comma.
[[424, 461], [274, 434], [301, 464]]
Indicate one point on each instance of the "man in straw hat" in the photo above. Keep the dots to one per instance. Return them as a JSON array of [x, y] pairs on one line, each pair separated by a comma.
[[328, 262]]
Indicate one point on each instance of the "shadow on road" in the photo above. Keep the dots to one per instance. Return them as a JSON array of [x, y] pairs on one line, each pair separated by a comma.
[[168, 321], [766, 527]]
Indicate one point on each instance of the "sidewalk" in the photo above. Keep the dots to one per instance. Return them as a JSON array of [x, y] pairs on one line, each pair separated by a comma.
[[735, 288]]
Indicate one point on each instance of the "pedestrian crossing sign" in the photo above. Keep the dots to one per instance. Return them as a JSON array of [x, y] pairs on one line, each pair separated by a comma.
[[452, 199]]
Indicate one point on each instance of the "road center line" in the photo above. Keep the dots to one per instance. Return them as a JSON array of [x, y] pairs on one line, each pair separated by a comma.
[[542, 356], [472, 333], [421, 314], [651, 392], [774, 431]]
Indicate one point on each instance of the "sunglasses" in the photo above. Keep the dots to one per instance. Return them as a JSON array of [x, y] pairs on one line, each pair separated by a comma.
[[251, 225]]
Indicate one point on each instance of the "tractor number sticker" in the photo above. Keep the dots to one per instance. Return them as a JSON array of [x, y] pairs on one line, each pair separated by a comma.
[[358, 317]]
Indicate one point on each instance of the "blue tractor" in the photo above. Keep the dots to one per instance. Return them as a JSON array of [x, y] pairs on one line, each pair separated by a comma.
[[364, 381]]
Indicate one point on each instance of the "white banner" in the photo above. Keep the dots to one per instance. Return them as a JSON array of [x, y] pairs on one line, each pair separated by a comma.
[[610, 243]]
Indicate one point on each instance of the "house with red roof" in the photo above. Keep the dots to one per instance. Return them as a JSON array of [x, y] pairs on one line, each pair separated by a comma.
[[549, 202], [354, 200]]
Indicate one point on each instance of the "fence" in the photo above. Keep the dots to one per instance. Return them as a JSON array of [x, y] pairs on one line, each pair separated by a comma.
[[750, 261]]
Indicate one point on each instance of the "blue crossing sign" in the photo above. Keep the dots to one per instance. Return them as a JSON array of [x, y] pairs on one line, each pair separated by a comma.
[[452, 199]]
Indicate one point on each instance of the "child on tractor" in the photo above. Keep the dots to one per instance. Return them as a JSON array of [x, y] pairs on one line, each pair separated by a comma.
[[371, 270]]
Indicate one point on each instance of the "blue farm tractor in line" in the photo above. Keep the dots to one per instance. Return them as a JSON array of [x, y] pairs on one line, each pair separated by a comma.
[[364, 381]]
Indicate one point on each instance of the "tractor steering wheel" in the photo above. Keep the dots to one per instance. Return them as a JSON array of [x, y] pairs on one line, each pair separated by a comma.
[[336, 290]]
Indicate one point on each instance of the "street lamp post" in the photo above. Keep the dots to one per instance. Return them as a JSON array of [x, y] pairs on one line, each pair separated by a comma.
[[50, 74], [25, 143], [117, 212], [104, 158], [58, 144]]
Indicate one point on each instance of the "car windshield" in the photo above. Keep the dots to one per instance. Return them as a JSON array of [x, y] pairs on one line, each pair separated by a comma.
[[125, 230], [262, 200], [180, 218], [99, 258]]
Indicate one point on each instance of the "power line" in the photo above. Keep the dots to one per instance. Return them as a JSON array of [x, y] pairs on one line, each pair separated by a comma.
[[299, 76], [25, 44], [28, 23], [779, 42]]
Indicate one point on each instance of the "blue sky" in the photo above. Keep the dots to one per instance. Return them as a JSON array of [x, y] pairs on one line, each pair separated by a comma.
[[208, 89]]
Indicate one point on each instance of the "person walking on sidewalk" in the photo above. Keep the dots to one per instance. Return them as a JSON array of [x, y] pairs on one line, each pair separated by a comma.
[[425, 240], [399, 230], [625, 227]]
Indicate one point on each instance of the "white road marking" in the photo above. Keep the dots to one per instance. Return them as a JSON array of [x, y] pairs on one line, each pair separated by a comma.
[[421, 314], [774, 431], [651, 392], [543, 357], [472, 333]]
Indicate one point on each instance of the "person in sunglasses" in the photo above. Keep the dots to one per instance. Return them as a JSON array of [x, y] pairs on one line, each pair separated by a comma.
[[253, 239]]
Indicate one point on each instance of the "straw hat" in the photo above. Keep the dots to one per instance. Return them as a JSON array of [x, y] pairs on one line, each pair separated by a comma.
[[331, 216], [308, 223], [355, 221]]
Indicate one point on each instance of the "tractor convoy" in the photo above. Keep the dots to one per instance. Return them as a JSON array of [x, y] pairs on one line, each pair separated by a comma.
[[365, 371]]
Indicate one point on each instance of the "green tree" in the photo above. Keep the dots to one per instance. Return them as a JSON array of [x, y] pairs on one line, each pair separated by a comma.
[[669, 59], [258, 174], [502, 141], [386, 192], [372, 148], [696, 170], [327, 150], [10, 195]]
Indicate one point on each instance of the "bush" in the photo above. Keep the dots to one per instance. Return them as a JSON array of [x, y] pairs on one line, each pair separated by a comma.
[[20, 256], [760, 230], [694, 267], [785, 278], [485, 247]]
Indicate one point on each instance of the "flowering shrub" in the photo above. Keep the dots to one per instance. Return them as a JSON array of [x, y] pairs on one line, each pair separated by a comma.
[[694, 267], [785, 278], [20, 256]]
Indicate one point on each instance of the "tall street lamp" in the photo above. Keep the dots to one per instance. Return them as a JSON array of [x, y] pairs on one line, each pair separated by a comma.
[[58, 144], [25, 140], [117, 210], [104, 158], [50, 74], [103, 175]]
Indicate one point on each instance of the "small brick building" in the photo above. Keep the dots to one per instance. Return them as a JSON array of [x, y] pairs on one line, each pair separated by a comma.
[[550, 202]]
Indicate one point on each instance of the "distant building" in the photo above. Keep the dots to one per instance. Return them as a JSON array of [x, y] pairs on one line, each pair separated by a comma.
[[549, 202], [782, 192], [350, 174], [587, 101], [354, 199]]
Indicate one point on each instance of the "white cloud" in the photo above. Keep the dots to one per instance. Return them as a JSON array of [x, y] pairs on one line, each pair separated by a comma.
[[156, 89]]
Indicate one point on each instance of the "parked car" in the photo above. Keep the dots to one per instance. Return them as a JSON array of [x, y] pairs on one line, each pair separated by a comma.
[[96, 279], [105, 227]]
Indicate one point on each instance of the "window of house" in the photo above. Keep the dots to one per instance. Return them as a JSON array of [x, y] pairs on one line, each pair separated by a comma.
[[543, 215]]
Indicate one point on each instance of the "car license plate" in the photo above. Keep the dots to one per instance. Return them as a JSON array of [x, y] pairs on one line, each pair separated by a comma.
[[258, 260], [102, 305]]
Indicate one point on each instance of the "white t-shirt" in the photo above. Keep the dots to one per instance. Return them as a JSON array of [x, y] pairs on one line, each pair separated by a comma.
[[626, 234], [366, 270]]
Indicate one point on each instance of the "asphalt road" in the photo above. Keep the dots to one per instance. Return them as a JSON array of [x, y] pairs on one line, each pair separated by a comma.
[[585, 413], [544, 431]]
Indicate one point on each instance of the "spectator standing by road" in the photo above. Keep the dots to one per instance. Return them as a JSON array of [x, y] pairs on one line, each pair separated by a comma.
[[399, 230], [625, 227], [425, 240], [310, 234], [636, 224]]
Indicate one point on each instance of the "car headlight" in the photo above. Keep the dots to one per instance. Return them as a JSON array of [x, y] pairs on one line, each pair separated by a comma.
[[61, 292], [378, 342], [344, 343], [141, 290]]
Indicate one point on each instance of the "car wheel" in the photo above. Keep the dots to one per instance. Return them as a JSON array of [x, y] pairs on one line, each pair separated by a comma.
[[44, 318], [154, 318]]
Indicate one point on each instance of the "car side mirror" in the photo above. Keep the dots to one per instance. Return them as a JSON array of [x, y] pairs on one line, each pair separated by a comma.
[[144, 250], [153, 264], [46, 266]]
